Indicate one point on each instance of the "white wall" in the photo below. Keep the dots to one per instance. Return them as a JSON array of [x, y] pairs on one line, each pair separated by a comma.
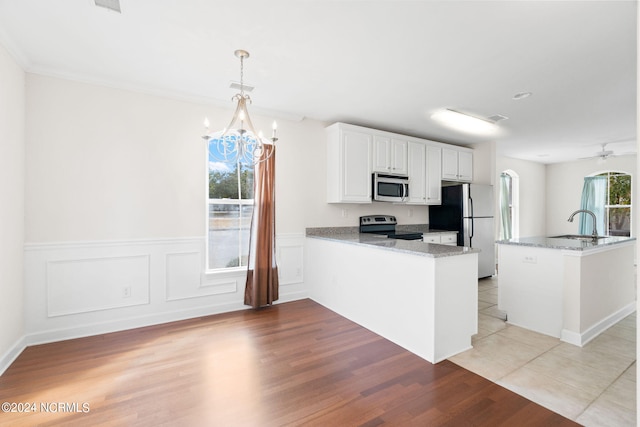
[[484, 163], [115, 199], [106, 164], [12, 123], [532, 195], [564, 189]]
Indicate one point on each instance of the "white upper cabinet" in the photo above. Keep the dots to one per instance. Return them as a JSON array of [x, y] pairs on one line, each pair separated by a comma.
[[389, 155], [355, 152], [348, 164], [417, 173], [434, 175], [424, 174], [457, 164]]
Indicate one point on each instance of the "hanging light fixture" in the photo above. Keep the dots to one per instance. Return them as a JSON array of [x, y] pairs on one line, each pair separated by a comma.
[[239, 142]]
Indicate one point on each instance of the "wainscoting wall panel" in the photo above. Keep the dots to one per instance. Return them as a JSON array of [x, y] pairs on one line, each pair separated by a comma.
[[184, 278], [82, 285], [88, 288], [290, 256]]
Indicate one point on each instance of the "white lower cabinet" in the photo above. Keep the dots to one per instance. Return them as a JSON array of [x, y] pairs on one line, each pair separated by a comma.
[[449, 239]]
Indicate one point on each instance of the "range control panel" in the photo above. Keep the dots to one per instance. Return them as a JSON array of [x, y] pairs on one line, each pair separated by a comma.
[[378, 219]]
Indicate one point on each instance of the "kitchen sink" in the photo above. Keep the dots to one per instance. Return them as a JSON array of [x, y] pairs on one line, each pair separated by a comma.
[[583, 237]]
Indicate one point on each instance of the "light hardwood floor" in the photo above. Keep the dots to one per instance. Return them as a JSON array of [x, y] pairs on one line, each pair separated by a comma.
[[291, 364]]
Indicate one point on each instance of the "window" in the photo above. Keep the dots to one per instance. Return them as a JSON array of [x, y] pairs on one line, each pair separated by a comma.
[[230, 208], [508, 194], [618, 204]]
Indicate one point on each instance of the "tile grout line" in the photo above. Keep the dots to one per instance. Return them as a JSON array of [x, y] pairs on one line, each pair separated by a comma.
[[500, 380], [605, 390]]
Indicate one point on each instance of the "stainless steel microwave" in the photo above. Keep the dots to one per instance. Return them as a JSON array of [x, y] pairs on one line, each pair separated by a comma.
[[390, 188]]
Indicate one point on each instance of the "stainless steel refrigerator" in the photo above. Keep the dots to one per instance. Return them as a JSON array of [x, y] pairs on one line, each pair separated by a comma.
[[468, 209]]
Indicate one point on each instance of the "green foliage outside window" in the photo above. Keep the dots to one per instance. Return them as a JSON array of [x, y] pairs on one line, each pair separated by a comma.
[[618, 207], [224, 185]]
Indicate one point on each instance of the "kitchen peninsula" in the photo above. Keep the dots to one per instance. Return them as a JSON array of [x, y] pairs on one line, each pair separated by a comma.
[[569, 287], [421, 296]]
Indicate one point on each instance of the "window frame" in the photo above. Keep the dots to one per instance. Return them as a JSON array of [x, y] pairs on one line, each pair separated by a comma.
[[608, 206], [208, 269]]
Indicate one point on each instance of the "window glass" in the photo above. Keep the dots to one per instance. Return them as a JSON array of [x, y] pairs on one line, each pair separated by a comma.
[[229, 213], [618, 206]]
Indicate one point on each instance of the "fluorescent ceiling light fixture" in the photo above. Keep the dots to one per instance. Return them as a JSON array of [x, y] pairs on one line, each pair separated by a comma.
[[464, 122]]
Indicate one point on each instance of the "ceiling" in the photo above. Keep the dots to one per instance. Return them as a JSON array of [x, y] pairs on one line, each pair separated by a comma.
[[384, 64]]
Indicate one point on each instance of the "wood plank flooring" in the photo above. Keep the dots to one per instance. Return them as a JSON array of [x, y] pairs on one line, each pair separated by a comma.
[[291, 364]]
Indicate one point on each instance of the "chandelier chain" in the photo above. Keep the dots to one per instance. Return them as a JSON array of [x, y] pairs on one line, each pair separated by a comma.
[[242, 144], [242, 76]]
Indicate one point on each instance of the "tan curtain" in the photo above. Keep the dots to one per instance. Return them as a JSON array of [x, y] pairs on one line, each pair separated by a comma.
[[262, 275]]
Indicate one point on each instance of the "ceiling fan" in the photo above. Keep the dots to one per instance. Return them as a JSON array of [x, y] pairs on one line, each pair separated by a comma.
[[604, 154]]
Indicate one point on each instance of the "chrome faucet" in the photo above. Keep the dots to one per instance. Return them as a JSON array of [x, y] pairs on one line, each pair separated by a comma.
[[594, 234]]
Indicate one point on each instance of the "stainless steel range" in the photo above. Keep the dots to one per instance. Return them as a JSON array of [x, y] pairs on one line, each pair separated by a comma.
[[385, 224]]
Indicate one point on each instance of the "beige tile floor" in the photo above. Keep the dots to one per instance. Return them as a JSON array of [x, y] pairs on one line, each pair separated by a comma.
[[594, 385]]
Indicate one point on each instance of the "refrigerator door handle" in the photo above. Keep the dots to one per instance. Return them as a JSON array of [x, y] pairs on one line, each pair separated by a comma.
[[471, 218]]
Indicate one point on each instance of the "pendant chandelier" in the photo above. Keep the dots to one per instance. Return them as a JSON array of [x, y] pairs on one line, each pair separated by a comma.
[[239, 142]]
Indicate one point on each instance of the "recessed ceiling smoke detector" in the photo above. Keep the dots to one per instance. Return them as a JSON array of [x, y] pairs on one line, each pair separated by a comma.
[[521, 95], [113, 5]]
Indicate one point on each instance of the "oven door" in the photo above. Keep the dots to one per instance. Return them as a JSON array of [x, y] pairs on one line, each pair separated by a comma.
[[390, 188]]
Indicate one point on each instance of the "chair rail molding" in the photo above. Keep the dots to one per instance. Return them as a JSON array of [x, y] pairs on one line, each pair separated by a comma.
[[76, 289]]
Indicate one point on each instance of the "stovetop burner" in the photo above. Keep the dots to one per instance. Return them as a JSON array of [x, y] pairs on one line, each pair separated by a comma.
[[385, 224]]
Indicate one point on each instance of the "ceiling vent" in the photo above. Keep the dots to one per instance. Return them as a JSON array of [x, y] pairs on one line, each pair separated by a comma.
[[237, 86], [497, 118], [113, 5]]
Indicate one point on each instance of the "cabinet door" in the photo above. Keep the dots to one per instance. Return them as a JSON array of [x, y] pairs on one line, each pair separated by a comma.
[[398, 157], [465, 166], [431, 238], [389, 155], [450, 239], [433, 175], [356, 169], [381, 153], [449, 164], [417, 173]]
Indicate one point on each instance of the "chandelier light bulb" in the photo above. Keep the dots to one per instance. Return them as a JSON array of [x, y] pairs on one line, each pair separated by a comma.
[[239, 142], [206, 123]]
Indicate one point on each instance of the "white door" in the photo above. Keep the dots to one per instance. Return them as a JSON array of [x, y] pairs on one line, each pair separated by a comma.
[[482, 196]]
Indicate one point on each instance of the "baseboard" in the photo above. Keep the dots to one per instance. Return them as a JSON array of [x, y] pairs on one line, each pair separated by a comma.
[[62, 334], [581, 339], [55, 335], [12, 354], [292, 296]]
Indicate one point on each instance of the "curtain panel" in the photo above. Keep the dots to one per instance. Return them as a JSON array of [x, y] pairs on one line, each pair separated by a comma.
[[594, 198], [262, 275], [505, 211]]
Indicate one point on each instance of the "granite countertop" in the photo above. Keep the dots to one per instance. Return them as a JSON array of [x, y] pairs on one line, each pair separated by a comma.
[[564, 243], [350, 235]]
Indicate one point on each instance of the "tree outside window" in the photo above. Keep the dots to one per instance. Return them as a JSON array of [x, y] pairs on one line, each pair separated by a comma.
[[230, 207], [618, 205]]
